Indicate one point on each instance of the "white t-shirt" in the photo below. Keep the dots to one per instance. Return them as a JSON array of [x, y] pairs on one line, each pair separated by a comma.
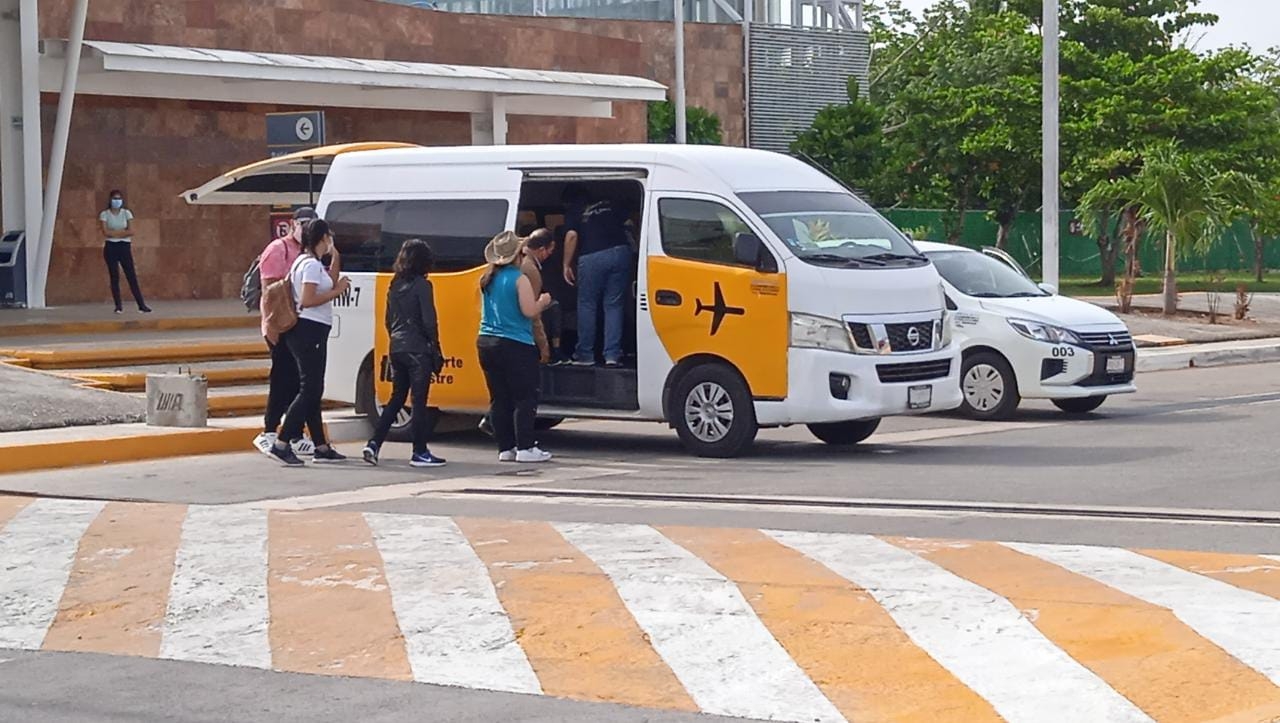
[[117, 222], [309, 270]]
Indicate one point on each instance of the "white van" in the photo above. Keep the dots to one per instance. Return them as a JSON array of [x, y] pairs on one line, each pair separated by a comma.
[[765, 293]]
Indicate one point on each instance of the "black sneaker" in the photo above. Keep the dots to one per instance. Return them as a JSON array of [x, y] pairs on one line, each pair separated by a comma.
[[426, 459], [326, 456], [286, 457], [144, 309], [370, 453]]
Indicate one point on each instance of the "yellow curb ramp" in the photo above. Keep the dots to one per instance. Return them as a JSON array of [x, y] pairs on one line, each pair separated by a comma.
[[237, 405], [124, 448], [248, 321], [121, 356], [137, 381], [1158, 341]]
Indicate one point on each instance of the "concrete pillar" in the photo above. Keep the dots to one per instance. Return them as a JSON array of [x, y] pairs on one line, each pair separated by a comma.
[[12, 213], [499, 120], [490, 127], [482, 129], [32, 153]]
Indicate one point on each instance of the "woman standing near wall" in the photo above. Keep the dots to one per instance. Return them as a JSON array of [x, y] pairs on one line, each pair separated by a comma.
[[117, 229]]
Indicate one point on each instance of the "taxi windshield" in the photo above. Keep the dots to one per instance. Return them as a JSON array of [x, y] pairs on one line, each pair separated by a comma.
[[833, 229], [976, 274]]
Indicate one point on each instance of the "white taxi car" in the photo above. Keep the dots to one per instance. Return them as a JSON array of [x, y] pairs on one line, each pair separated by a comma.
[[1021, 340]]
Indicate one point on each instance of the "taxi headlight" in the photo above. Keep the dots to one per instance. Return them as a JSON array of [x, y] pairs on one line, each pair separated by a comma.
[[1045, 332]]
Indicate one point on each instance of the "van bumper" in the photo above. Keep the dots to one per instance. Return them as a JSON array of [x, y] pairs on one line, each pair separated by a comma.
[[810, 398]]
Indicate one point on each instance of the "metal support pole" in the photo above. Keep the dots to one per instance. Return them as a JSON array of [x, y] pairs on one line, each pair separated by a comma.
[[12, 212], [1052, 175], [748, 17], [682, 131], [32, 153], [58, 151]]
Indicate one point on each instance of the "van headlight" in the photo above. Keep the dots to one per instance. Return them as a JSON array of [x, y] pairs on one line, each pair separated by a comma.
[[943, 334], [817, 332], [1044, 332]]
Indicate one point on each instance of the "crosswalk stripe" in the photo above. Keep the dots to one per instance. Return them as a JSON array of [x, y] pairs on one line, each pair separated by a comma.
[[839, 636], [217, 610], [331, 610], [980, 637], [702, 627], [570, 621], [37, 549], [115, 598], [456, 632], [1183, 677], [10, 506], [1244, 623], [1259, 573]]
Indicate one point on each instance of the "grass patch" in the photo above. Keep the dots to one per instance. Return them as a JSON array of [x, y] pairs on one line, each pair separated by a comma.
[[1187, 284]]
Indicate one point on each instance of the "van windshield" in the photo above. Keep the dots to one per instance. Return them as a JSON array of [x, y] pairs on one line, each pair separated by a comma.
[[833, 229]]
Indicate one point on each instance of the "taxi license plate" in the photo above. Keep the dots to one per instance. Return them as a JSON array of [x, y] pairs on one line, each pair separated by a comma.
[[1115, 365], [920, 397]]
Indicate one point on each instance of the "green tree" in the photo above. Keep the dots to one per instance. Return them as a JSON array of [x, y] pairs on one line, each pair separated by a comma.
[[848, 141], [702, 127]]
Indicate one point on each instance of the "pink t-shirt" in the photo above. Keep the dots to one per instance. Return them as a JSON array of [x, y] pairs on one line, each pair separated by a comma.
[[275, 262]]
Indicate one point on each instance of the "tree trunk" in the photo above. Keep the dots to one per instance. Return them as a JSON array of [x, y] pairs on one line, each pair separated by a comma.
[[1259, 260], [1107, 253], [1002, 235], [1170, 274]]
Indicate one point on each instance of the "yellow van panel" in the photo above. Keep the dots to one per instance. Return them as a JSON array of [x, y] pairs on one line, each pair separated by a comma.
[[735, 313]]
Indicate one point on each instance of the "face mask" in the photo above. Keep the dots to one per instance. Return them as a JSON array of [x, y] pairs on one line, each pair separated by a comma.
[[117, 203]]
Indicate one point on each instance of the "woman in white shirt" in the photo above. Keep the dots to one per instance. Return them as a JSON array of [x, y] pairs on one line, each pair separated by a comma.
[[117, 229], [314, 290]]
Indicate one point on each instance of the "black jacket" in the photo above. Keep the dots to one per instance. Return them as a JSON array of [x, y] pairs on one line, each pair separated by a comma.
[[411, 317]]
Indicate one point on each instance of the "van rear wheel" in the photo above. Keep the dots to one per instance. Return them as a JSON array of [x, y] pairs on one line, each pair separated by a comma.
[[712, 412], [844, 434]]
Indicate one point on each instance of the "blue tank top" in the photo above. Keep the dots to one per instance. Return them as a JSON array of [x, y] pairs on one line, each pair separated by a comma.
[[500, 314]]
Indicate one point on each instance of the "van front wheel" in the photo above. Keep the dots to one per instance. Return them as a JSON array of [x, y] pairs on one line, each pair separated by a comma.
[[844, 434], [712, 412]]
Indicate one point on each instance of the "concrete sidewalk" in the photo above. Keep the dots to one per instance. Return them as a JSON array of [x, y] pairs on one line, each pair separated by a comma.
[[101, 318], [1247, 351]]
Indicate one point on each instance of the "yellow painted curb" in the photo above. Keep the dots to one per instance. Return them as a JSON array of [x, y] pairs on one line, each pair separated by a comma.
[[85, 452], [121, 356], [137, 381], [238, 405], [248, 321]]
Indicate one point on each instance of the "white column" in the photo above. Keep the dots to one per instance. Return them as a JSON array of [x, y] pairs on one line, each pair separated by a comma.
[[682, 134], [32, 155], [58, 151], [499, 110], [482, 129], [1051, 131], [12, 213]]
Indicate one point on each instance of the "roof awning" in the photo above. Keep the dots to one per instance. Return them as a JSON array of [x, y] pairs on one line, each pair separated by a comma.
[[234, 76], [295, 179]]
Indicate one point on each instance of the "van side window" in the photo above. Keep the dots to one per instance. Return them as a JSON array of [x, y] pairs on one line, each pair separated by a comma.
[[699, 230], [369, 234]]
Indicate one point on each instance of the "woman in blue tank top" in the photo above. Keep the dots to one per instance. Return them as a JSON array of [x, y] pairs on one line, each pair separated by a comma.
[[508, 355]]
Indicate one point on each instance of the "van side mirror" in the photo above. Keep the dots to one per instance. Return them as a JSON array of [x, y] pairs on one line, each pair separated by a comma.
[[748, 250]]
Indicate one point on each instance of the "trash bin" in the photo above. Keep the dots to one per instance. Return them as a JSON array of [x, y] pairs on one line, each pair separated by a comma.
[[177, 400], [13, 269]]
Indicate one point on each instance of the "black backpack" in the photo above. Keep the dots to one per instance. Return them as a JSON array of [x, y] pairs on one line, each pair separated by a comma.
[[251, 287]]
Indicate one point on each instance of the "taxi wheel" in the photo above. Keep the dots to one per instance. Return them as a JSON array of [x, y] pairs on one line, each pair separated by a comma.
[[843, 434], [1080, 406], [988, 386], [712, 412]]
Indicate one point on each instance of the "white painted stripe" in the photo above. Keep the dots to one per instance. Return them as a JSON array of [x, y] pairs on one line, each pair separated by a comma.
[[977, 635], [701, 625], [218, 610], [1244, 623], [1273, 557], [37, 550], [456, 631]]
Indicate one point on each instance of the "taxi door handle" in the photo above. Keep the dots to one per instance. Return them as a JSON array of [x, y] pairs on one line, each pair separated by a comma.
[[666, 297]]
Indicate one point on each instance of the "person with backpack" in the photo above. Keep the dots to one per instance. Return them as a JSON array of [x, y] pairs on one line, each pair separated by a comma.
[[272, 266], [415, 353]]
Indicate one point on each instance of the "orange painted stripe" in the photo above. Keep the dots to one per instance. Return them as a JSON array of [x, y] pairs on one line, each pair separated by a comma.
[[1247, 572], [118, 591], [331, 610], [10, 506], [837, 633], [1141, 650], [579, 636]]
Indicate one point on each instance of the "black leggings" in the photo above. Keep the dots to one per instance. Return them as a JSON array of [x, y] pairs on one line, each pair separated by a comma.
[[409, 372], [308, 341], [283, 389], [512, 374], [119, 255]]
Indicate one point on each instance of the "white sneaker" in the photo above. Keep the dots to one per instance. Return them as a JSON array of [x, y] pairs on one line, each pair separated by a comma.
[[304, 447], [264, 442], [507, 456], [532, 454]]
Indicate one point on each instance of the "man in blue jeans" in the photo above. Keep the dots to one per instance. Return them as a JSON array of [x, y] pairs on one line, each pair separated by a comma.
[[597, 238]]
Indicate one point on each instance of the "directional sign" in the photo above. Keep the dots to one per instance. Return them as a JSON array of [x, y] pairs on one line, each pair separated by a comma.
[[290, 132]]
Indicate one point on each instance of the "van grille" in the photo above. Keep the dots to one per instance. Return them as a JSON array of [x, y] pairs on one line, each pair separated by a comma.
[[914, 371]]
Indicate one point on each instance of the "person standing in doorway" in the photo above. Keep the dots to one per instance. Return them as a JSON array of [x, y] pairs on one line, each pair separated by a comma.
[[507, 352], [415, 351], [597, 238], [274, 265], [313, 293], [117, 229]]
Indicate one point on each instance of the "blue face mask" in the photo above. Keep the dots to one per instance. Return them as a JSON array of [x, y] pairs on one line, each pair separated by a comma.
[[117, 203]]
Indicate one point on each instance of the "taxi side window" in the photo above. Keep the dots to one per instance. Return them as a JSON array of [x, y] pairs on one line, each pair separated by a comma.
[[699, 230]]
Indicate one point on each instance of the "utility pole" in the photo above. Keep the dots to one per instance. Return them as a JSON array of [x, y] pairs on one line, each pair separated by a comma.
[[682, 134], [1052, 173]]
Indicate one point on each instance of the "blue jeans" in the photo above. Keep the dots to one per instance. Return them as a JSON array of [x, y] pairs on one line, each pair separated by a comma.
[[602, 281]]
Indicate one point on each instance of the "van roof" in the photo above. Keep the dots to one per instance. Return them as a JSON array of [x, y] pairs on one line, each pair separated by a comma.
[[742, 169]]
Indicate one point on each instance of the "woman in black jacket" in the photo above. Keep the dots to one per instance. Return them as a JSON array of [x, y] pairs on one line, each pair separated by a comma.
[[415, 350]]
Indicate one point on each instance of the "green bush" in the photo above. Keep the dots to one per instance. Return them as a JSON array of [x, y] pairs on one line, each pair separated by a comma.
[[702, 127]]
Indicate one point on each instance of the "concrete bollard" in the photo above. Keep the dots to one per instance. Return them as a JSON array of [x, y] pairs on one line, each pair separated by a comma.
[[177, 400]]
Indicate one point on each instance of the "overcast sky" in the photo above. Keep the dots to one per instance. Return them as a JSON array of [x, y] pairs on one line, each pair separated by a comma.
[[1251, 22]]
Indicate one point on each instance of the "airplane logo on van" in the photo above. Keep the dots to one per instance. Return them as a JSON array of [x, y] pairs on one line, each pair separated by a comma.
[[719, 310]]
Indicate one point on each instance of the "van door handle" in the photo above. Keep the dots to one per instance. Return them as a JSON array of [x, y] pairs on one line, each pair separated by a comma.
[[666, 297]]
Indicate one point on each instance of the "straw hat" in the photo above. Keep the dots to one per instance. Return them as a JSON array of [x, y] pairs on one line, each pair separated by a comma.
[[503, 249]]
